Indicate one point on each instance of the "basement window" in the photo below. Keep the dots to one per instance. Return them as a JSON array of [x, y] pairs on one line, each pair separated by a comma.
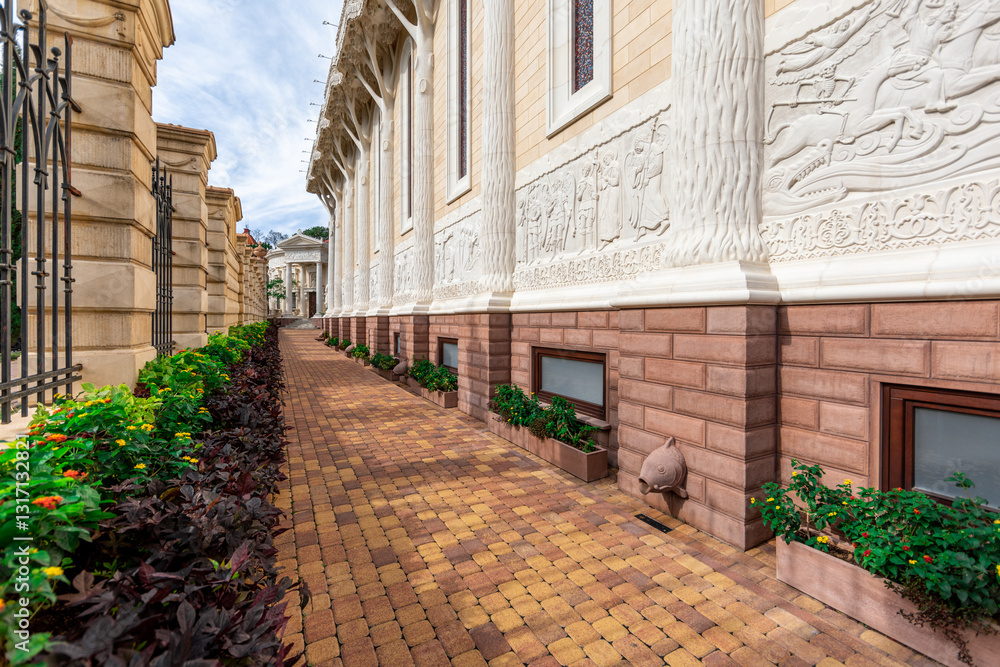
[[448, 354], [575, 376], [929, 434]]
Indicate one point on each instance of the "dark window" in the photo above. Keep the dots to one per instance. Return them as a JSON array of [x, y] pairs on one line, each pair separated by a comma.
[[448, 354], [576, 376], [583, 43], [409, 136], [463, 87], [396, 346], [929, 434]]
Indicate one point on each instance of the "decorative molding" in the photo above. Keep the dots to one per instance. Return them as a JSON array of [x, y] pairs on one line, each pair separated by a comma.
[[80, 21], [605, 267], [963, 212]]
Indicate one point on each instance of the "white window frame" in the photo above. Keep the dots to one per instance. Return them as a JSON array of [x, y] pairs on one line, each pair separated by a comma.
[[564, 106], [405, 120], [376, 165], [458, 185]]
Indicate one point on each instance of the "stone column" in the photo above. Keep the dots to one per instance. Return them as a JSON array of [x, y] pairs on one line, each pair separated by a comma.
[[337, 286], [319, 290], [224, 212], [717, 144], [498, 226], [347, 277], [331, 263], [187, 155], [362, 246], [116, 46], [302, 305], [288, 288]]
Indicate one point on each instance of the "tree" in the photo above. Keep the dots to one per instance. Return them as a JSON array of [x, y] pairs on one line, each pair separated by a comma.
[[318, 232], [272, 239], [276, 289]]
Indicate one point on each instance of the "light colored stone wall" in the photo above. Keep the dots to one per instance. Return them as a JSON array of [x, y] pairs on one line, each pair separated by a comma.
[[224, 213]]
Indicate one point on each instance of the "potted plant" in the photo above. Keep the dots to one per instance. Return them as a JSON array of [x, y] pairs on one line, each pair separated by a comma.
[[383, 365], [435, 383], [554, 433], [343, 345], [333, 342], [894, 560], [361, 354]]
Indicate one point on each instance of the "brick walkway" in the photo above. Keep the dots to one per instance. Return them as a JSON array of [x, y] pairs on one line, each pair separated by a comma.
[[426, 540]]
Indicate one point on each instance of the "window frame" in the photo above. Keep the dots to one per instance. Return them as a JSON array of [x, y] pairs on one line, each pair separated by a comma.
[[896, 455], [406, 138], [582, 407], [376, 167], [459, 184], [397, 345], [441, 342], [565, 106]]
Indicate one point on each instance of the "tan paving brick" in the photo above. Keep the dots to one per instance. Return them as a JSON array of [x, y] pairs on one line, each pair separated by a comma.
[[426, 540]]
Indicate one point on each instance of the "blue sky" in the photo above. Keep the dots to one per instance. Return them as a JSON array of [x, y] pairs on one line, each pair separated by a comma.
[[244, 69]]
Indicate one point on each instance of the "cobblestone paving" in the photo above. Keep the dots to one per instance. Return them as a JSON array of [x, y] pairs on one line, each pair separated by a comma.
[[426, 540]]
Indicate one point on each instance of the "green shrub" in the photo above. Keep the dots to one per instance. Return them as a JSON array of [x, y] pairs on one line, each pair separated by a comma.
[[361, 352], [344, 344], [946, 560], [228, 350], [559, 421], [431, 377], [514, 406], [333, 342], [384, 362], [420, 370]]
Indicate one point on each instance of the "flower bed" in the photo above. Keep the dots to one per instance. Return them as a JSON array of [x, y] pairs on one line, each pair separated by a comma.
[[383, 365], [179, 568], [554, 434], [944, 561]]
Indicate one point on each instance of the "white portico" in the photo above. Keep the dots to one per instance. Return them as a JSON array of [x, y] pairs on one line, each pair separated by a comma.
[[300, 262]]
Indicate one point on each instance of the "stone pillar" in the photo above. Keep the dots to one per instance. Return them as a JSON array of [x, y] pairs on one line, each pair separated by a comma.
[[319, 290], [362, 247], [115, 50], [302, 306], [224, 212], [288, 289], [331, 263], [484, 359], [187, 155], [498, 223], [337, 274], [718, 140], [347, 275]]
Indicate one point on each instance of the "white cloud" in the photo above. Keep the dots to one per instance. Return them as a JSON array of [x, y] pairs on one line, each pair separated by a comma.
[[244, 70]]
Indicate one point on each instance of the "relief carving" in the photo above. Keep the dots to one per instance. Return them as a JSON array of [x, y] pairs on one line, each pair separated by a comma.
[[458, 259], [898, 93]]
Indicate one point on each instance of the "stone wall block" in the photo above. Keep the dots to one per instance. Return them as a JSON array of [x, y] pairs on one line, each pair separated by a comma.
[[670, 424], [645, 344], [877, 356], [846, 420], [683, 373], [798, 412], [849, 320], [749, 320], [963, 320], [843, 453], [645, 393], [837, 386], [966, 361], [676, 320], [798, 351]]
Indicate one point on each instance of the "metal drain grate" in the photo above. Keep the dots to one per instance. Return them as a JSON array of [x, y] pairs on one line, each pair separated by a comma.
[[653, 522]]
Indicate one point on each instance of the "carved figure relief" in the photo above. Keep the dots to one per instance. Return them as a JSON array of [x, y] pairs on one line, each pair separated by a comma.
[[403, 282], [457, 259], [611, 198], [898, 93]]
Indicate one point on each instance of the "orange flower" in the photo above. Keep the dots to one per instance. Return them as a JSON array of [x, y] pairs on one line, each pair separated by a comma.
[[48, 502], [75, 474], [56, 437]]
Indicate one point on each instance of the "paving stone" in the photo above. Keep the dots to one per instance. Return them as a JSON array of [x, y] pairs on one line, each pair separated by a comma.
[[426, 540]]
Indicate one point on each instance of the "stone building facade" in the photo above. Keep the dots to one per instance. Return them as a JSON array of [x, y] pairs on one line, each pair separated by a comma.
[[300, 262], [771, 224]]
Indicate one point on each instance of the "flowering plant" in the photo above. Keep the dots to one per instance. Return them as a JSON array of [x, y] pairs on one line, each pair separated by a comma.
[[945, 559], [384, 362], [559, 421], [361, 352]]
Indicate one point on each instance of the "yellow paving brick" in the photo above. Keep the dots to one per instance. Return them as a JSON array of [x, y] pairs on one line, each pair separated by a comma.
[[602, 653], [566, 651]]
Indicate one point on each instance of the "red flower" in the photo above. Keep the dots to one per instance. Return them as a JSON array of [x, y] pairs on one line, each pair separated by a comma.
[[48, 502], [928, 559], [56, 437], [864, 534], [75, 474], [868, 552], [906, 548], [916, 511]]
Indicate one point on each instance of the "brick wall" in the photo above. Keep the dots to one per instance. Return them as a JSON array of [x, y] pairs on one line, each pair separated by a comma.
[[833, 360], [590, 331], [413, 332]]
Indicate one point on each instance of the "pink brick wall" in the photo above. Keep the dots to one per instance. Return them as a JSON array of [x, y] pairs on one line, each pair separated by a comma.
[[587, 331], [413, 331], [483, 356], [834, 359], [705, 376]]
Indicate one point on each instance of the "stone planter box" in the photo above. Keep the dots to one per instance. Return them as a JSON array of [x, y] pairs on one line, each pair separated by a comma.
[[361, 362], [446, 399], [587, 466], [862, 596], [388, 375]]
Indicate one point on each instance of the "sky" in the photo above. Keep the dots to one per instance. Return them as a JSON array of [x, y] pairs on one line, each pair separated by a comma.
[[245, 71]]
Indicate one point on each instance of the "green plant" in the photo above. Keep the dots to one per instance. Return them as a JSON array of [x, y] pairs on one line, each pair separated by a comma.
[[228, 350], [944, 559], [514, 406], [344, 344], [361, 352], [333, 342], [420, 370], [384, 362], [560, 422], [441, 379], [276, 289]]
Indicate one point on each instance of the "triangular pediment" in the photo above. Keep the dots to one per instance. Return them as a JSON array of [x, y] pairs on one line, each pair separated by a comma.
[[300, 242]]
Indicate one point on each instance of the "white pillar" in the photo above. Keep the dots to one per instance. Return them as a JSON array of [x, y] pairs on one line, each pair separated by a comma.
[[498, 223], [331, 261], [302, 306], [288, 288], [319, 289]]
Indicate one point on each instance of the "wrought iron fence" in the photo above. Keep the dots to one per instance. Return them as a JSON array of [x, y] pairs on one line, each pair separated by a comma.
[[35, 138], [163, 263]]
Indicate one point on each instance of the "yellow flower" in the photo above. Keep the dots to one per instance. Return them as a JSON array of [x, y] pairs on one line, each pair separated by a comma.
[[997, 522], [770, 500], [193, 460], [832, 514], [147, 427], [130, 428], [847, 482], [185, 458], [822, 539], [140, 466], [912, 562], [753, 501], [2, 605], [53, 571], [120, 442], [88, 404]]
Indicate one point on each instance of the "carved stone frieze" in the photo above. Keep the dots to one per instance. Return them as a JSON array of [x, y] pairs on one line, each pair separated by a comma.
[[959, 213], [605, 267], [892, 95], [405, 285], [458, 257], [610, 199]]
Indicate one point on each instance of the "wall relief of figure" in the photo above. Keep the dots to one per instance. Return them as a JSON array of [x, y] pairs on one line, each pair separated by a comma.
[[609, 213], [559, 225], [647, 205], [586, 206], [898, 93]]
